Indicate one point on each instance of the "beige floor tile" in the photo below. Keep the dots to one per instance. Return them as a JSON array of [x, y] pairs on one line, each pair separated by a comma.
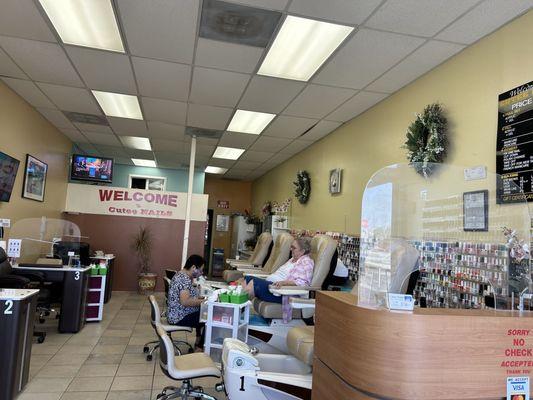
[[160, 381], [136, 369], [39, 396], [40, 358], [45, 348], [74, 349], [93, 384], [56, 338], [129, 395], [141, 340], [137, 358], [88, 370], [121, 326], [83, 340], [58, 371], [68, 359], [113, 340], [132, 383], [109, 349], [47, 385], [84, 396], [137, 349], [117, 333], [95, 359]]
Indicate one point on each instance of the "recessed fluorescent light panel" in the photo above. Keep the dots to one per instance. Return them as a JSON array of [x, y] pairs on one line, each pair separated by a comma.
[[88, 23], [301, 46], [143, 163], [215, 170], [250, 122], [228, 153], [135, 142], [119, 105]]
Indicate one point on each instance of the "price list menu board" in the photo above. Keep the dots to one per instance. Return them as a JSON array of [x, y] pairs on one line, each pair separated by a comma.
[[514, 151]]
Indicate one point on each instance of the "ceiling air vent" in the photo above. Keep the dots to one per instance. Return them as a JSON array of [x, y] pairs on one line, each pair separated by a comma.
[[237, 24], [203, 133], [86, 118]]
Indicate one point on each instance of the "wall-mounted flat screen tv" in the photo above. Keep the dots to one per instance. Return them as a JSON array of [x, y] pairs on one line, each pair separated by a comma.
[[90, 168], [8, 172]]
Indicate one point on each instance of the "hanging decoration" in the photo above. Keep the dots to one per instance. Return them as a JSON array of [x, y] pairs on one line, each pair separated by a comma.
[[426, 139], [302, 186], [281, 208]]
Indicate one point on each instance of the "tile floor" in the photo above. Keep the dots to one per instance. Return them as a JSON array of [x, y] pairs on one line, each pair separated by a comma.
[[105, 360]]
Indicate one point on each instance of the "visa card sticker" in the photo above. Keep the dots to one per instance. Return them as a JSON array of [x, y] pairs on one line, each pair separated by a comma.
[[518, 388]]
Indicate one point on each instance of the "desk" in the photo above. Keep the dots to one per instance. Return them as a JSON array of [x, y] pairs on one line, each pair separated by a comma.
[[74, 296], [433, 354], [17, 315], [110, 264]]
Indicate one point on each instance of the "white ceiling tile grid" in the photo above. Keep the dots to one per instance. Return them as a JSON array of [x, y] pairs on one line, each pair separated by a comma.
[[217, 88], [9, 68], [162, 130], [128, 127], [269, 95], [71, 98], [227, 56], [56, 117], [208, 117], [29, 92], [320, 130], [21, 18], [172, 112], [289, 127], [355, 106], [317, 101], [162, 79], [238, 140], [340, 11]]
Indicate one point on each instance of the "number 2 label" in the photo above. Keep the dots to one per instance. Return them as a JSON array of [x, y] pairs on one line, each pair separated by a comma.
[[9, 306]]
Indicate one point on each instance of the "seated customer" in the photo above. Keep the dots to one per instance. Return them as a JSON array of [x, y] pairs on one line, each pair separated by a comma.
[[298, 271], [184, 300]]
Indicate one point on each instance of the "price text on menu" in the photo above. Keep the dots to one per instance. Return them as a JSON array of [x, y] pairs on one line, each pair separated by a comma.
[[514, 148]]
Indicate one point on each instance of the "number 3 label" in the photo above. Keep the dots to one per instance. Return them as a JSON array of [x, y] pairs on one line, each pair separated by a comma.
[[77, 275], [9, 306]]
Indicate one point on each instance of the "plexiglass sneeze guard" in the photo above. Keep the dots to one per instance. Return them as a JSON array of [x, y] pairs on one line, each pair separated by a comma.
[[449, 241], [38, 236]]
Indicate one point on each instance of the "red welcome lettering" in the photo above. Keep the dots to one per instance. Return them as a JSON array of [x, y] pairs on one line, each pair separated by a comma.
[[118, 195], [105, 195], [172, 200], [161, 198]]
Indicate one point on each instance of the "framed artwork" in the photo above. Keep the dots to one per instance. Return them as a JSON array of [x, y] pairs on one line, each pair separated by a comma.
[[476, 211], [34, 179], [222, 223], [335, 176]]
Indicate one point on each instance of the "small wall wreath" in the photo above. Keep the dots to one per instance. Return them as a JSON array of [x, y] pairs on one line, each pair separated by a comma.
[[426, 139], [302, 186]]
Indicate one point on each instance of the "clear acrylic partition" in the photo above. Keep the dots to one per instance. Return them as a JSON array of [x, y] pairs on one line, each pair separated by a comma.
[[39, 235], [415, 221]]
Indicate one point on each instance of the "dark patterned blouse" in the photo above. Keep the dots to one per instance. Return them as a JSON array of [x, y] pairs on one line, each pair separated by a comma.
[[176, 311]]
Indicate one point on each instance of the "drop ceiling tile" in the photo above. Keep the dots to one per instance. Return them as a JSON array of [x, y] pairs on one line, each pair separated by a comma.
[[416, 64], [162, 79], [172, 112], [414, 17], [209, 117], [355, 106], [237, 174], [93, 128], [56, 117], [29, 92], [246, 165], [255, 174], [270, 4], [103, 70], [367, 55], [269, 144], [102, 138], [269, 95], [204, 150], [142, 154], [277, 159], [44, 62], [21, 18], [86, 148], [296, 147], [320, 130], [123, 161], [112, 151], [9, 68], [161, 130], [171, 157], [257, 156], [165, 30], [239, 140], [317, 101], [484, 19], [228, 56], [289, 127], [174, 146], [219, 162], [70, 99], [74, 135], [217, 88], [340, 11], [128, 126]]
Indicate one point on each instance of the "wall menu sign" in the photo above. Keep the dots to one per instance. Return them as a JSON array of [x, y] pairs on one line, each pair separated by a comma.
[[514, 147]]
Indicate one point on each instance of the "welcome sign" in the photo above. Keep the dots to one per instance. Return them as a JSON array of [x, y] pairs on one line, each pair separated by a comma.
[[105, 200]]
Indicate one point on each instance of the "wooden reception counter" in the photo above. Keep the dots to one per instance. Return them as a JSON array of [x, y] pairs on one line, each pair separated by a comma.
[[428, 354]]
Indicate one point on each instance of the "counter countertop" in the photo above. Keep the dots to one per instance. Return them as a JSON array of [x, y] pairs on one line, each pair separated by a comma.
[[65, 268], [16, 294], [103, 257]]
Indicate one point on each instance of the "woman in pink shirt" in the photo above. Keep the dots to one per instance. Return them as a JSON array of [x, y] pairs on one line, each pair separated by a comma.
[[298, 271]]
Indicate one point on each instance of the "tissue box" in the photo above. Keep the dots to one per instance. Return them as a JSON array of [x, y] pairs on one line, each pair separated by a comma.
[[238, 298], [223, 298]]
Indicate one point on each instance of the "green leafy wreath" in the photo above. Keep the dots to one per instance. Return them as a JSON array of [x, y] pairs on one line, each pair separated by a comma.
[[426, 140], [302, 186]]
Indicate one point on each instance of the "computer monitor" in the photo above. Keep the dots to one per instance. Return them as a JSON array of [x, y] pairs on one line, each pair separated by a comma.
[[62, 248]]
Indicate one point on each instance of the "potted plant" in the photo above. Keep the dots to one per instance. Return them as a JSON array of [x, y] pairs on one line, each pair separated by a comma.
[[142, 245]]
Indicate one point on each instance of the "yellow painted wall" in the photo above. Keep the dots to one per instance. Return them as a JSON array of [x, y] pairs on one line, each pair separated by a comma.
[[23, 130], [467, 85]]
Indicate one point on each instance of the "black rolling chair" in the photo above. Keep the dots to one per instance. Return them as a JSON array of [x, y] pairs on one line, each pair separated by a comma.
[[11, 280], [169, 273], [157, 320]]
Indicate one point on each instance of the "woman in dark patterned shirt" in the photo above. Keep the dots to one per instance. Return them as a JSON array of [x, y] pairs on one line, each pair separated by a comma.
[[184, 300]]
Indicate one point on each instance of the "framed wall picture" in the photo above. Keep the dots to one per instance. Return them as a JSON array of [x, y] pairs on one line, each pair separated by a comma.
[[222, 223], [335, 176], [34, 179], [476, 211]]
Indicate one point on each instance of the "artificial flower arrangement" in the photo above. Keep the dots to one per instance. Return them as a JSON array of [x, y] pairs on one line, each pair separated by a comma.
[[518, 249], [266, 210]]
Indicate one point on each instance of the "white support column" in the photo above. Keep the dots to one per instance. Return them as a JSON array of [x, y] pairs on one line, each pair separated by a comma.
[[184, 253]]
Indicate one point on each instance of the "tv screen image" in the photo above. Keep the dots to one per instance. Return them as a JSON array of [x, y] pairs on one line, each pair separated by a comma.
[[8, 172], [89, 168]]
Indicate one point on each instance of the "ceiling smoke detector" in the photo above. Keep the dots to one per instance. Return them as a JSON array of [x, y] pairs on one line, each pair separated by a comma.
[[203, 133], [86, 118], [234, 23]]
